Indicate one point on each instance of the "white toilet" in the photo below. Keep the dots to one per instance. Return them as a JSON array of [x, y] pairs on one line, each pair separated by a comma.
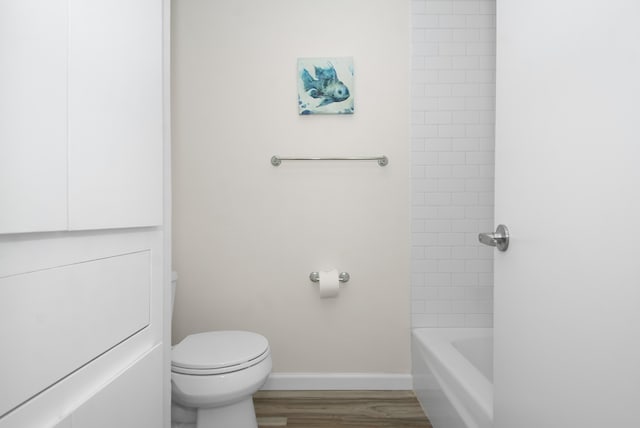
[[217, 373]]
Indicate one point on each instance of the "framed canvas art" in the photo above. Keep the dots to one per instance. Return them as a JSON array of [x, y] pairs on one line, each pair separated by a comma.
[[325, 86]]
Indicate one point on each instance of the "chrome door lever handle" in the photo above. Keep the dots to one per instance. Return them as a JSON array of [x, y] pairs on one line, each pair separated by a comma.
[[499, 239], [487, 239]]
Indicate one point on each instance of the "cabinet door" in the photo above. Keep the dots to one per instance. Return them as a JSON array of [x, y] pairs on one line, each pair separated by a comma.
[[115, 113], [33, 115], [132, 400], [72, 314]]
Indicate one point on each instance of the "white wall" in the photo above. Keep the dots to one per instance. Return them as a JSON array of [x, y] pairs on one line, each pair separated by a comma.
[[453, 93], [247, 234]]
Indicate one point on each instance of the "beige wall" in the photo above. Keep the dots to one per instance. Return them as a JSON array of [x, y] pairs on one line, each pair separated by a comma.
[[247, 234]]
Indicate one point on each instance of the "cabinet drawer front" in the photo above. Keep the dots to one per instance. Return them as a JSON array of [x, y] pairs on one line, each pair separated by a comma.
[[56, 320]]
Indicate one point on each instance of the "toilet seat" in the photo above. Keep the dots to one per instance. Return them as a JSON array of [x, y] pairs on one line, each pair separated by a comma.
[[218, 352]]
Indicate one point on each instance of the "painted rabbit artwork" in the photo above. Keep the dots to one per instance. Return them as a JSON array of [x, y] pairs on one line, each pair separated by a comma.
[[325, 86]]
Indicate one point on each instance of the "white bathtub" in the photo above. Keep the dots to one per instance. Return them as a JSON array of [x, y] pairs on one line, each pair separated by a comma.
[[453, 375]]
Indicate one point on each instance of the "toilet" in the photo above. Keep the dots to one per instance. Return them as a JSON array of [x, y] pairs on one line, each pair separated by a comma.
[[217, 373]]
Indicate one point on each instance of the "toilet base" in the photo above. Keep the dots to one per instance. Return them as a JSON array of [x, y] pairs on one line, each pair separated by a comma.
[[237, 415]]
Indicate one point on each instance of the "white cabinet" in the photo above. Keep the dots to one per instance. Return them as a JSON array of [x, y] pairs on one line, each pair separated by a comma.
[[80, 114], [115, 113], [81, 148], [33, 115]]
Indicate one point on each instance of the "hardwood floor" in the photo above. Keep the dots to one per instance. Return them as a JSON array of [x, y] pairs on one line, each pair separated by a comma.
[[337, 409]]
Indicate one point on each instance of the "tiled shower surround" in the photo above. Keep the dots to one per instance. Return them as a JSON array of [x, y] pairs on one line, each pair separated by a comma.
[[453, 116]]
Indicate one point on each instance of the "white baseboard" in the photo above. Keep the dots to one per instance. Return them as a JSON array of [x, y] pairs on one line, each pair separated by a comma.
[[337, 381]]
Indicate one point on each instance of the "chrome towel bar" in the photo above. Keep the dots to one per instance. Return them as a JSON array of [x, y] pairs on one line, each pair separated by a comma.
[[382, 160]]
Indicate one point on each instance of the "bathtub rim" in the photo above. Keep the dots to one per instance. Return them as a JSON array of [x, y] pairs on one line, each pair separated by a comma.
[[467, 389]]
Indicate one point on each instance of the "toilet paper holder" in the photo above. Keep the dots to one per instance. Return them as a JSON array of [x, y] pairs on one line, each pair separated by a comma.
[[343, 276]]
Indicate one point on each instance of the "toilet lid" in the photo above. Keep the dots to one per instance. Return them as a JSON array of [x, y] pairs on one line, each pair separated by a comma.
[[230, 350]]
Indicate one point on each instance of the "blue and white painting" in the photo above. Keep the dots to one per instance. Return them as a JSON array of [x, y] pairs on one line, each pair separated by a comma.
[[325, 86]]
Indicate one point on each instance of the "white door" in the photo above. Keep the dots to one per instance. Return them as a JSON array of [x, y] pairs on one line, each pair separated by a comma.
[[567, 291]]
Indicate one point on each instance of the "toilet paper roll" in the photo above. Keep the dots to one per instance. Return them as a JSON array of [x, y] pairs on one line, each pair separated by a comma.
[[329, 283]]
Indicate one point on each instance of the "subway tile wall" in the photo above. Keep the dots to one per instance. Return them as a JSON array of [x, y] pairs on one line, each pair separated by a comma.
[[453, 116]]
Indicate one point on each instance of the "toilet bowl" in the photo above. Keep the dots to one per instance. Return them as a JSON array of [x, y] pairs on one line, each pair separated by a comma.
[[217, 373]]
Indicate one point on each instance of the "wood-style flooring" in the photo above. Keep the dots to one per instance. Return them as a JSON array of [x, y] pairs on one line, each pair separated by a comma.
[[337, 409]]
